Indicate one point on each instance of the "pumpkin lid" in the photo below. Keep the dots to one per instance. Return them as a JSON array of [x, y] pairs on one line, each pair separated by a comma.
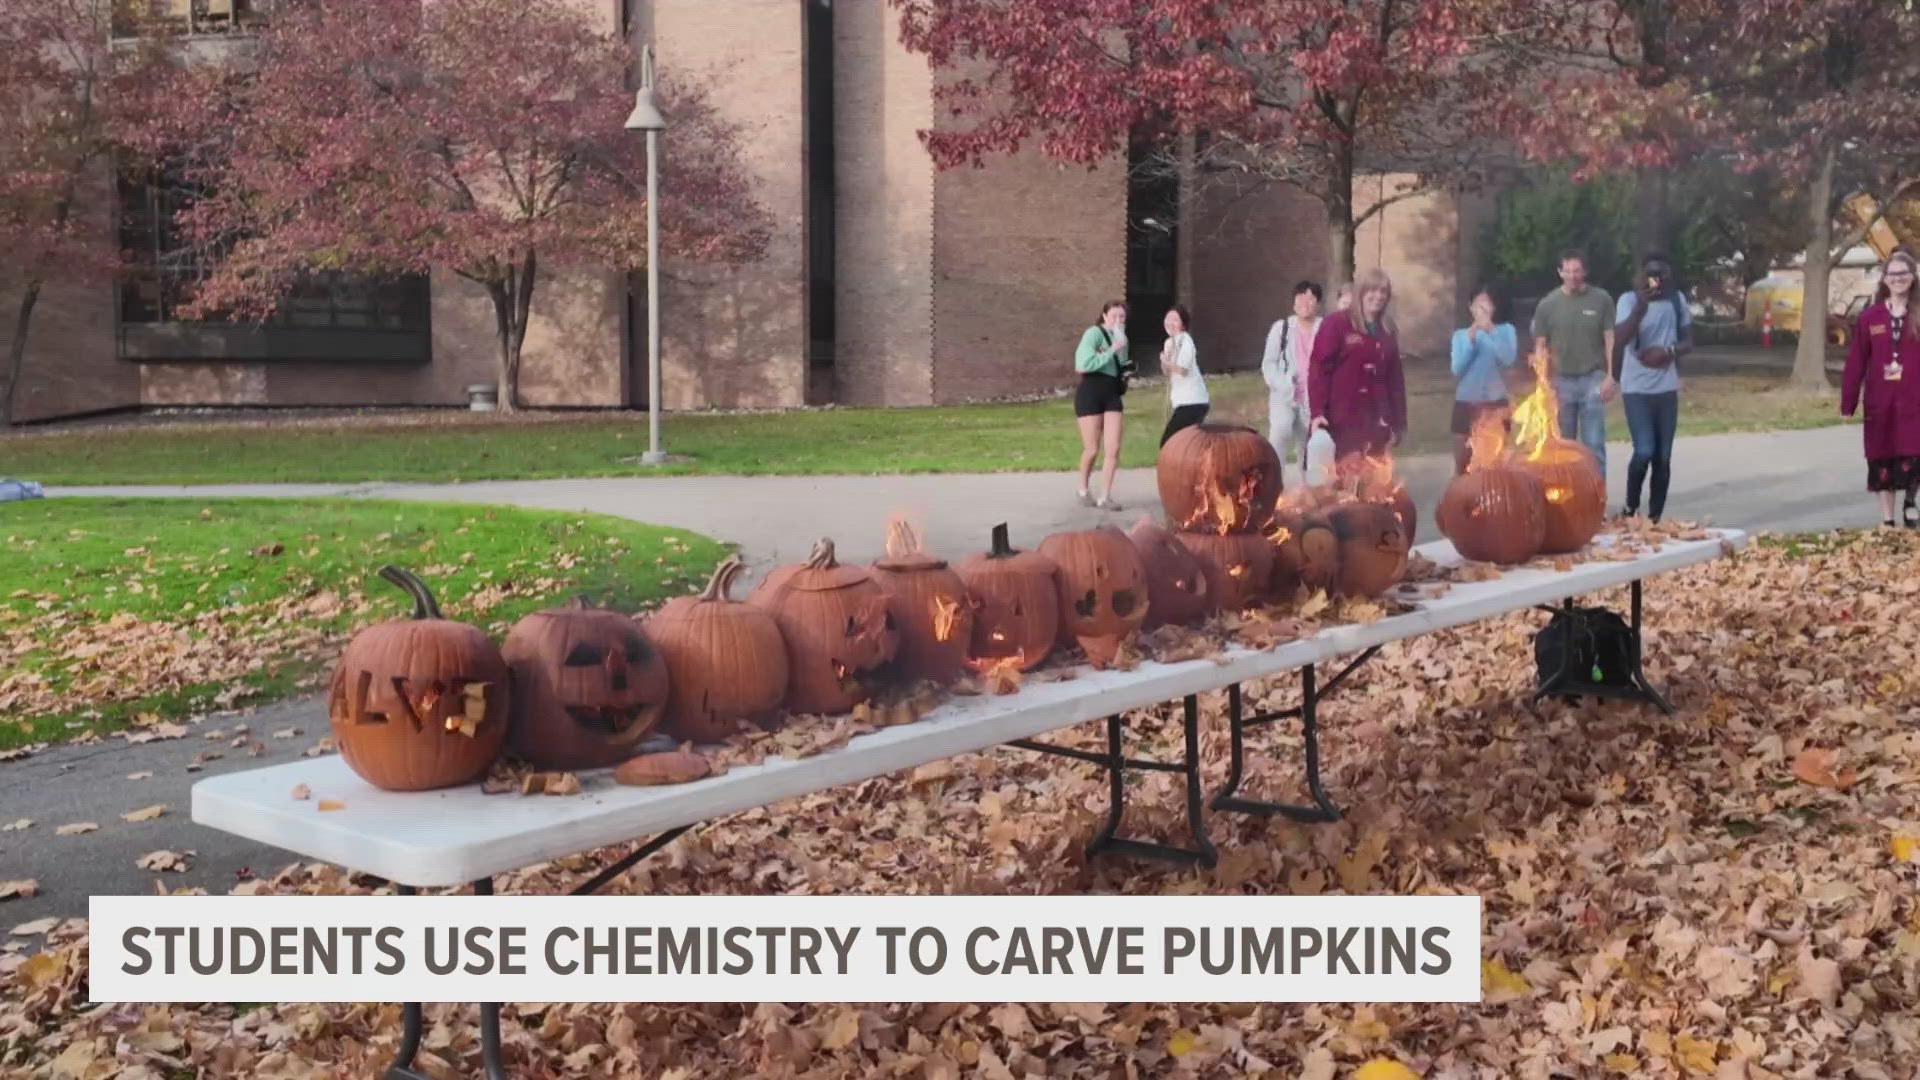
[[823, 573]]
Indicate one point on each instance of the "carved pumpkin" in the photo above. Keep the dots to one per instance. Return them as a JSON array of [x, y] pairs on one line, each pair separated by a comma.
[[1496, 514], [1238, 566], [1177, 590], [1019, 598], [726, 661], [931, 606], [837, 628], [587, 687], [1102, 589], [1306, 555], [1373, 547], [422, 702], [1218, 478], [1576, 494]]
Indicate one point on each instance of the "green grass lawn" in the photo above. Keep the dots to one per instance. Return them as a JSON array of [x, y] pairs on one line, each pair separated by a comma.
[[1027, 436], [135, 611]]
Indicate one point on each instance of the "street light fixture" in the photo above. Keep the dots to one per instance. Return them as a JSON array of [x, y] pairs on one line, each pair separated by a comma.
[[646, 117]]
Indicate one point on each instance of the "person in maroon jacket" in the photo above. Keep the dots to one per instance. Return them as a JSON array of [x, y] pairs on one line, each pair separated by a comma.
[[1355, 387], [1883, 342]]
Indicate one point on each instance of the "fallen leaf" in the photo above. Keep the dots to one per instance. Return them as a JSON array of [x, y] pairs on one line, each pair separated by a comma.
[[1381, 1068], [331, 804], [22, 888], [17, 825], [301, 792], [75, 829], [1904, 849], [139, 775], [1181, 1043], [1815, 766], [146, 813], [36, 927], [161, 860], [1500, 984]]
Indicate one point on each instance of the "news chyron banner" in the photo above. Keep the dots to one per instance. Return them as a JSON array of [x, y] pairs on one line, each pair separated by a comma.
[[856, 949]]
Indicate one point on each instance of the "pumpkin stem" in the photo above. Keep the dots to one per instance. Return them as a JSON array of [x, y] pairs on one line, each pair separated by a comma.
[[822, 557], [424, 605], [580, 602], [1002, 547], [722, 580]]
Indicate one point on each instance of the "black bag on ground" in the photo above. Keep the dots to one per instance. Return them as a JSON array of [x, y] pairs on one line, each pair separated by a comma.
[[1602, 648]]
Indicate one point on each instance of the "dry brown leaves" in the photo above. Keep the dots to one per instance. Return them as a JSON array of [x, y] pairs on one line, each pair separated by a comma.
[[1663, 897]]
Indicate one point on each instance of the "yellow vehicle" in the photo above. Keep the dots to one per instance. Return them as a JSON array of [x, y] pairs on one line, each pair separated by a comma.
[[1783, 295]]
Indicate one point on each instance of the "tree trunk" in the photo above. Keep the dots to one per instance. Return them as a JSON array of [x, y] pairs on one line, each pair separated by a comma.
[[1651, 213], [508, 342], [1340, 228], [17, 350], [1810, 357]]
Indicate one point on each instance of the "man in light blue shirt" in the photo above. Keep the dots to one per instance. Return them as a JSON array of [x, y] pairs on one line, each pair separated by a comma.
[[1653, 329]]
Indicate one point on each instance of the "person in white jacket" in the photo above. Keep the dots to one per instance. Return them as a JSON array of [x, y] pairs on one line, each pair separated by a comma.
[[1284, 366], [1180, 362]]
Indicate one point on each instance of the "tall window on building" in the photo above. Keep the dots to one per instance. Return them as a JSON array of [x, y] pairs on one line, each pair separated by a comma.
[[1153, 245], [327, 317], [817, 140]]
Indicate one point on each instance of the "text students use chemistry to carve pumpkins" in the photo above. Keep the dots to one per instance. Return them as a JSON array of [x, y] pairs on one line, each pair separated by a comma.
[[421, 702]]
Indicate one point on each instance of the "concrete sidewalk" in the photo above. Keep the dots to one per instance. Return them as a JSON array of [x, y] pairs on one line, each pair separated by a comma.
[[1783, 481]]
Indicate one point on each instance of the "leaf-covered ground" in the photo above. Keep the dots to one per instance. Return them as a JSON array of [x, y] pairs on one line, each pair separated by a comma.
[[138, 611], [1727, 893]]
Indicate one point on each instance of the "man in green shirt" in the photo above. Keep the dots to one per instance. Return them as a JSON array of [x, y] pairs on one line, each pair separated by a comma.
[[1576, 321]]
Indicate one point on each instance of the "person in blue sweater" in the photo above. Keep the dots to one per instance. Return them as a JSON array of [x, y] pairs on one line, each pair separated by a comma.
[[1483, 351]]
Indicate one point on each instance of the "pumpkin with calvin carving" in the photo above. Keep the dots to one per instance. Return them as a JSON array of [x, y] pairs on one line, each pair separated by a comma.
[[930, 605], [1102, 589], [726, 660], [587, 687], [1238, 566], [1575, 491], [838, 630], [1373, 547], [1218, 478], [1019, 598], [1177, 589], [422, 702], [1496, 514]]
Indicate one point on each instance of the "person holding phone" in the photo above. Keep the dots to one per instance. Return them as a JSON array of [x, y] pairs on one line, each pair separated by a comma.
[[1180, 363], [1102, 362], [1652, 331], [1482, 354]]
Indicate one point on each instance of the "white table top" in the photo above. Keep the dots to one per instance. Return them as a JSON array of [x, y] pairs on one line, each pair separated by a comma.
[[457, 835]]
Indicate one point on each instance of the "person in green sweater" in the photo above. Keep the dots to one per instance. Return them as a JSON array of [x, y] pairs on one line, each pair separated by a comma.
[[1101, 361]]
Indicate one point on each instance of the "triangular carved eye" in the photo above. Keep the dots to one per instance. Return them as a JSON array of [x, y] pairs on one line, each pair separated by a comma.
[[585, 655]]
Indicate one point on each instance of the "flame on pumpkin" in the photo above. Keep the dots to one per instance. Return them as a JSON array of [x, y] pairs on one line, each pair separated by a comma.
[[946, 616], [1280, 535], [902, 540], [1227, 508], [1487, 442], [1536, 418]]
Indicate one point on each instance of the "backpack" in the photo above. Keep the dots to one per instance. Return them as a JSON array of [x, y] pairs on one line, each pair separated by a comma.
[[1602, 649]]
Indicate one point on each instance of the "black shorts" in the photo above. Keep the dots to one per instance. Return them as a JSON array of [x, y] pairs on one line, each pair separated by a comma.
[[1466, 412], [1098, 393]]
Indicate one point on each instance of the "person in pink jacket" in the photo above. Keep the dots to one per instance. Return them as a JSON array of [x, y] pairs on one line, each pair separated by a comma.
[[1356, 388], [1884, 343]]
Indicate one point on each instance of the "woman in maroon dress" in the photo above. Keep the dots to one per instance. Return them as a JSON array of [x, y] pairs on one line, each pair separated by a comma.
[[1883, 342], [1355, 387]]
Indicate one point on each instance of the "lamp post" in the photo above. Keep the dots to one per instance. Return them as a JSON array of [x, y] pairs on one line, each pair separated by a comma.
[[646, 117]]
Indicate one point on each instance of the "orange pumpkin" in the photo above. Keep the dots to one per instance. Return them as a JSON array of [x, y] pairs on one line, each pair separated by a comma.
[[1218, 478], [1019, 614], [422, 702], [1575, 491], [1496, 514], [1238, 566], [1306, 554], [1177, 589], [1102, 589], [838, 631], [726, 660], [1373, 547], [930, 605], [587, 687]]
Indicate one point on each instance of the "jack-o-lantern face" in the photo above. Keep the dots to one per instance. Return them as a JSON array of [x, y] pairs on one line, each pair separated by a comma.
[[419, 703], [1238, 566], [1103, 589], [1373, 547], [837, 628], [1019, 617], [588, 686], [1177, 586]]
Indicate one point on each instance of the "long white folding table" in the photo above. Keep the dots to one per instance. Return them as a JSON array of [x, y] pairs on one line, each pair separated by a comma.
[[453, 837]]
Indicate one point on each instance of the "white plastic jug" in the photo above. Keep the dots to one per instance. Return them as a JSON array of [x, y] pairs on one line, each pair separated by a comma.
[[1319, 463]]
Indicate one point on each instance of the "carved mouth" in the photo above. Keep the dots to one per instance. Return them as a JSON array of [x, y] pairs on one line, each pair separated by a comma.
[[611, 719]]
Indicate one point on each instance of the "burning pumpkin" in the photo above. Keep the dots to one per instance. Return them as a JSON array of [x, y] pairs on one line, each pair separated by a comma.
[[1238, 566], [931, 606], [419, 703], [1102, 589], [1218, 478], [1374, 481], [1019, 596], [1495, 514], [837, 628], [1305, 553], [587, 687], [726, 661], [1177, 590], [1373, 547], [1576, 496]]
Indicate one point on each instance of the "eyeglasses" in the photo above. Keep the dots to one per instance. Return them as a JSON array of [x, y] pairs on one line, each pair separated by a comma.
[[1899, 275]]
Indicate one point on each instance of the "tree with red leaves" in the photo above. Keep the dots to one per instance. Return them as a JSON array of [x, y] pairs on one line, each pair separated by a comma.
[[1817, 92], [484, 137], [65, 94], [1310, 93]]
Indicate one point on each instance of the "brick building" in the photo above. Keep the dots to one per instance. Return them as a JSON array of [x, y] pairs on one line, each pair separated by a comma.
[[886, 283]]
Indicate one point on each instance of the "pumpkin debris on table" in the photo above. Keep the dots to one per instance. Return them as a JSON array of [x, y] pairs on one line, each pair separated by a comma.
[[726, 659], [587, 687], [838, 631], [666, 767], [422, 702]]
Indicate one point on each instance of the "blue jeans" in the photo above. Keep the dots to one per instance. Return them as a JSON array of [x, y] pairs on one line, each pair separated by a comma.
[[1583, 415], [1651, 419]]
